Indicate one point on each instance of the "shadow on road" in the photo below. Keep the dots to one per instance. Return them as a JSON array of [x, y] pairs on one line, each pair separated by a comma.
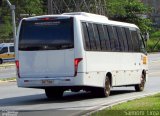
[[42, 99]]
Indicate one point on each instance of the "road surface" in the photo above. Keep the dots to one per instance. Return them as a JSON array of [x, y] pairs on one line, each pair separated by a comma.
[[34, 102], [7, 72]]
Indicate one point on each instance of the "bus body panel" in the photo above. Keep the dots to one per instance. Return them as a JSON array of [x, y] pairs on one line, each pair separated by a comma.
[[45, 64], [126, 68]]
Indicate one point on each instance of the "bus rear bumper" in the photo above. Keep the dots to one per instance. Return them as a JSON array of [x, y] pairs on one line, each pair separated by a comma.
[[51, 82]]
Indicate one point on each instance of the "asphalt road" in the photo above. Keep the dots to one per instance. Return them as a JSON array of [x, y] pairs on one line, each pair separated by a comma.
[[7, 72], [25, 102]]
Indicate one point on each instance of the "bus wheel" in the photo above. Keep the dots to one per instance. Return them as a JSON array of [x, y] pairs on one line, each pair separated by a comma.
[[1, 61], [53, 93], [140, 87], [105, 92]]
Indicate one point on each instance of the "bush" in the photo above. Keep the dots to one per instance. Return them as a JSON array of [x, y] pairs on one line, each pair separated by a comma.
[[153, 44], [155, 35]]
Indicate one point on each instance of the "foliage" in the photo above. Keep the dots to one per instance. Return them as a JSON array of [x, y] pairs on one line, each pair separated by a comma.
[[153, 44], [29, 7], [7, 79], [122, 10], [156, 34], [5, 29], [131, 11], [144, 107]]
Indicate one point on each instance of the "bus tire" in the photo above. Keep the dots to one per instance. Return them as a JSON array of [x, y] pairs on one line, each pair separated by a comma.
[[53, 93], [105, 91], [1, 61], [140, 87]]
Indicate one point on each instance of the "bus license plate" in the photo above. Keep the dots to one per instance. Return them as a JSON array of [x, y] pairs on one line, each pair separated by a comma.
[[47, 82]]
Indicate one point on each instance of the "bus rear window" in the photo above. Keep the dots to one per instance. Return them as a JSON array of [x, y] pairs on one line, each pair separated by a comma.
[[46, 34]]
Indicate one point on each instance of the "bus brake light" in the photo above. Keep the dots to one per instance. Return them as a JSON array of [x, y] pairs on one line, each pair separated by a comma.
[[46, 18], [76, 62], [17, 66]]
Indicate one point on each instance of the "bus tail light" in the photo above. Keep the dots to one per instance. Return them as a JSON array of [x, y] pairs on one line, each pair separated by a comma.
[[76, 62], [17, 66]]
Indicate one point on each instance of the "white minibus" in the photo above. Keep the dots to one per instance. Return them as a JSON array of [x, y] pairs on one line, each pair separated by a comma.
[[79, 51]]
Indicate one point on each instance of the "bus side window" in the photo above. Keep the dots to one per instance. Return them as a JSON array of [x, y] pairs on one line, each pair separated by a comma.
[[96, 35], [126, 47], [107, 38], [86, 37], [91, 37], [141, 43], [117, 39], [135, 41], [112, 37], [120, 38], [102, 37], [4, 50], [129, 38]]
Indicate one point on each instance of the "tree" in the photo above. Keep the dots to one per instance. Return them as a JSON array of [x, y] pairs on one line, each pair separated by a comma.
[[131, 11], [0, 2], [22, 7], [5, 23], [5, 30], [28, 7]]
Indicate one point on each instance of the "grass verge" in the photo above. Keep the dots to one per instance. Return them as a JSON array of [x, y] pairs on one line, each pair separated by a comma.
[[7, 64], [7, 79], [148, 106]]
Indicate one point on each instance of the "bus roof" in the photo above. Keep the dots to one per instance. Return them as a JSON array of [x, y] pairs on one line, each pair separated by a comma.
[[87, 17]]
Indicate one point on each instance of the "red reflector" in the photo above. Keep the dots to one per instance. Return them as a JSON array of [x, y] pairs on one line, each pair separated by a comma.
[[17, 66], [76, 62]]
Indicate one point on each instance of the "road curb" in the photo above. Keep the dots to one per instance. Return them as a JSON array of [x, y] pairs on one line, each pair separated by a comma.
[[7, 81], [6, 65], [109, 105]]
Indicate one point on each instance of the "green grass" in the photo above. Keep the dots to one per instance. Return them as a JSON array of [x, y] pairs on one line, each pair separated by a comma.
[[156, 34], [7, 79], [151, 45], [154, 38], [142, 107]]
